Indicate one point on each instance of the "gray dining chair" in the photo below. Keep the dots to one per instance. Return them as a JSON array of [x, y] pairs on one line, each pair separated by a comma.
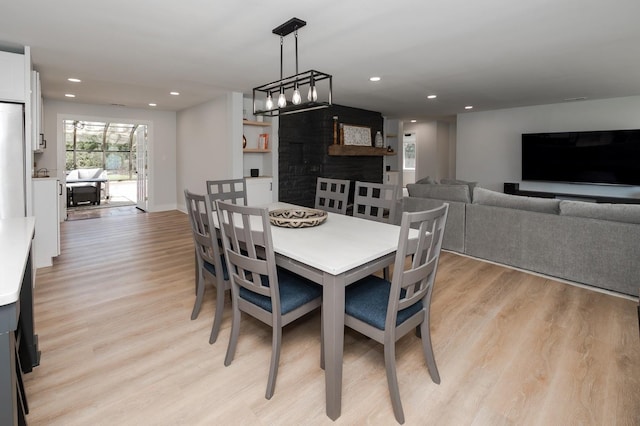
[[332, 195], [258, 288], [233, 190], [375, 201], [209, 260], [385, 311]]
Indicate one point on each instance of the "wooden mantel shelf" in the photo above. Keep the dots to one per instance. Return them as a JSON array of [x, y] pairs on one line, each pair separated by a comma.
[[355, 150]]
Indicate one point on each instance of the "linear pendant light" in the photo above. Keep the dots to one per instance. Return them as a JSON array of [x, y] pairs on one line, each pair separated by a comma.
[[317, 85]]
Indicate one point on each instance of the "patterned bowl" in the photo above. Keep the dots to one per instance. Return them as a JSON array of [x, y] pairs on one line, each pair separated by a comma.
[[297, 218]]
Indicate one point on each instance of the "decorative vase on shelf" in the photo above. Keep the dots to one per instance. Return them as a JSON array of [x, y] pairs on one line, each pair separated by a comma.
[[379, 140]]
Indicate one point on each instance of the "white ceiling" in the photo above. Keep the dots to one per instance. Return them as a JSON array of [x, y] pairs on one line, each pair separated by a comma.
[[487, 53]]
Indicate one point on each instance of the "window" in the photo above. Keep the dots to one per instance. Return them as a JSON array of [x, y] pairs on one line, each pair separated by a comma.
[[111, 146], [409, 151]]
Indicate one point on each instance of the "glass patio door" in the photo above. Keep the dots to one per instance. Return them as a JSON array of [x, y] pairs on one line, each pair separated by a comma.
[[141, 168]]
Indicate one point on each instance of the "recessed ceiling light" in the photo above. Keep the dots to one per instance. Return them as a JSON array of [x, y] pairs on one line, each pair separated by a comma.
[[70, 95], [432, 96], [414, 121], [374, 78], [152, 104], [469, 107], [74, 80], [579, 98], [174, 93]]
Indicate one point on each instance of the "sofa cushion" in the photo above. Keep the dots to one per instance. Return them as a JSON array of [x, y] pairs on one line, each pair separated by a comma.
[[440, 192], [629, 213], [498, 199], [84, 174], [471, 185], [90, 173]]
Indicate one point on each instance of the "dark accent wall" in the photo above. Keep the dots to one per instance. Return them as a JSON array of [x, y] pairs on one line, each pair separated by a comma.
[[304, 140]]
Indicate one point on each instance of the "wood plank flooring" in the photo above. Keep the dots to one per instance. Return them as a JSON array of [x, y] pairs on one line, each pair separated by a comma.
[[101, 211], [118, 347]]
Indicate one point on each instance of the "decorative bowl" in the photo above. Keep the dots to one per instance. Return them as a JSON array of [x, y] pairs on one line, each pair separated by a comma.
[[297, 217]]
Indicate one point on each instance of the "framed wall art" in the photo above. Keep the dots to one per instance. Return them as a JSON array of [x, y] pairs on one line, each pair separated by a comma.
[[356, 135]]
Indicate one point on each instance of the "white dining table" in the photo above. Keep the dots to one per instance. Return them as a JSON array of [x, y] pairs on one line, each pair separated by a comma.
[[334, 254]]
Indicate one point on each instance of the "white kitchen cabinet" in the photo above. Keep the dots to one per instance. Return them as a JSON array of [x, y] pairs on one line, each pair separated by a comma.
[[392, 178], [259, 191], [36, 113], [12, 77], [46, 196]]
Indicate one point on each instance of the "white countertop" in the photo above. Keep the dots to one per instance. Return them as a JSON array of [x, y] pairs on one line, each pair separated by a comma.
[[16, 236]]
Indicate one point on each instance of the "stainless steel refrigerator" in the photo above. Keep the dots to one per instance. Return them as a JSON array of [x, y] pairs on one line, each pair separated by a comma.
[[12, 159]]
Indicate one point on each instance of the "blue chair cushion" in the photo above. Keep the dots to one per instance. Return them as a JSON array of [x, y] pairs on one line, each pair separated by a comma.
[[368, 299], [295, 291], [211, 268]]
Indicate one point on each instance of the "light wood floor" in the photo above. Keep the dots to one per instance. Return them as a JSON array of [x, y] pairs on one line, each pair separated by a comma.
[[93, 213], [118, 347]]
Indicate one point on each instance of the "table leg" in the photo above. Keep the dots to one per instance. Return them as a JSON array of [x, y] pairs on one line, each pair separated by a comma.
[[333, 322]]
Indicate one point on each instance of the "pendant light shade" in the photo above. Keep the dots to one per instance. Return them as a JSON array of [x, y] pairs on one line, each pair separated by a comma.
[[282, 101], [296, 98], [269, 102]]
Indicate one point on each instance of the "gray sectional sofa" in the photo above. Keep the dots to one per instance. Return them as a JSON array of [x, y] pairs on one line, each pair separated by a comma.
[[588, 243]]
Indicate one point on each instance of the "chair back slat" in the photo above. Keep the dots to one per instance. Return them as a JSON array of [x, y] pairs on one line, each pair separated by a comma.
[[375, 201], [332, 195], [248, 247], [207, 248], [409, 285], [230, 190]]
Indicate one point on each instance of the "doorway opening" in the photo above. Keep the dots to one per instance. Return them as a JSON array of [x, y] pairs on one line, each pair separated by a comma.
[[105, 167]]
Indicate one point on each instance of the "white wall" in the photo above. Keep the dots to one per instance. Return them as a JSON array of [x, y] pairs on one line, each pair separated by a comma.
[[443, 151], [209, 144], [434, 153], [453, 137], [162, 143], [489, 142]]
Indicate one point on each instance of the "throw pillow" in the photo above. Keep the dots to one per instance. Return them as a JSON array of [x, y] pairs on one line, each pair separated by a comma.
[[498, 199], [629, 213], [471, 185], [427, 180]]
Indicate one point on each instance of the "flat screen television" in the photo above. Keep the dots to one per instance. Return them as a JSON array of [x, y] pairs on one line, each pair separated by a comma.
[[599, 157]]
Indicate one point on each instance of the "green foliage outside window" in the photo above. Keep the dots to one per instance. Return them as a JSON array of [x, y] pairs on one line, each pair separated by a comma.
[[110, 146]]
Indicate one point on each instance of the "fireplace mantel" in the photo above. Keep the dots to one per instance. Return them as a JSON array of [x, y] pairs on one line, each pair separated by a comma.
[[355, 150]]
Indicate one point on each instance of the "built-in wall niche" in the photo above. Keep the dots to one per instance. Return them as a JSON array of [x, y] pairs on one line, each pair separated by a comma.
[[304, 142]]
